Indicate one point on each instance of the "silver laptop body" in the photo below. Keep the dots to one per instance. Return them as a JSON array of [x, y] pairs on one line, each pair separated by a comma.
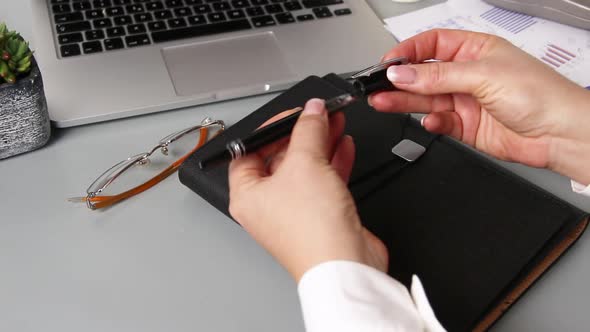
[[169, 73]]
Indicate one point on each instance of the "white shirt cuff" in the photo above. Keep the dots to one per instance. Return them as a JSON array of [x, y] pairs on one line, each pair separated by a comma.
[[348, 296], [580, 188]]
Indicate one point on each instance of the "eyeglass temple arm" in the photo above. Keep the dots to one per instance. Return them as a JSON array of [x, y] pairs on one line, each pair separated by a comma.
[[97, 202]]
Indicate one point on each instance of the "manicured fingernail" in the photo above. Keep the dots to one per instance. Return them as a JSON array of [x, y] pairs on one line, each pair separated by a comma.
[[422, 120], [314, 107], [370, 101], [401, 74]]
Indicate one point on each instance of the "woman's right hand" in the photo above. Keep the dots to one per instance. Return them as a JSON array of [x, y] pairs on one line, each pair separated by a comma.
[[493, 96]]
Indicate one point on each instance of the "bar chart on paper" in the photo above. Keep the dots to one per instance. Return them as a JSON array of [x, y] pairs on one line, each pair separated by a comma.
[[508, 20], [557, 56], [563, 48]]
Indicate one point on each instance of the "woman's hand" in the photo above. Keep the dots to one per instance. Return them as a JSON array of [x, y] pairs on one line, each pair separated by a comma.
[[292, 197], [493, 96]]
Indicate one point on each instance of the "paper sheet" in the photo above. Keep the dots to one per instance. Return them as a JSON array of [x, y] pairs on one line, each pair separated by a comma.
[[564, 48]]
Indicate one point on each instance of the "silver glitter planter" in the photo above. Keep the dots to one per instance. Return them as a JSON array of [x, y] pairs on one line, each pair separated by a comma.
[[24, 120]]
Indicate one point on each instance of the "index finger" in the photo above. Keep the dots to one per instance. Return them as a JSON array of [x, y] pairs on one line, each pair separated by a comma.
[[442, 44]]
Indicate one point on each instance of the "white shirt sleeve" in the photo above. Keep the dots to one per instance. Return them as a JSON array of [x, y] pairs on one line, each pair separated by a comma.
[[580, 188], [347, 296]]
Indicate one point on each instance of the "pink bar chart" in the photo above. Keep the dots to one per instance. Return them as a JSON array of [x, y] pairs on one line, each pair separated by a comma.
[[557, 56]]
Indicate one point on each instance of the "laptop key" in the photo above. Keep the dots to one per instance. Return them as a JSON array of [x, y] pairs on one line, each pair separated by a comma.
[[305, 17], [94, 14], [156, 5], [255, 11], [69, 17], [102, 23], [322, 12], [61, 8], [70, 50], [136, 8], [293, 5], [70, 38], [102, 3], [259, 2], [83, 5], [220, 6], [122, 2], [343, 11], [216, 17], [197, 20], [178, 22], [116, 32], [94, 34], [92, 47], [273, 9], [137, 40], [235, 14], [143, 17], [156, 26], [113, 44], [73, 27], [193, 2], [123, 20], [174, 3], [320, 3], [200, 30], [285, 18], [183, 11], [163, 14], [136, 28], [115, 11], [202, 9], [263, 21], [240, 3]]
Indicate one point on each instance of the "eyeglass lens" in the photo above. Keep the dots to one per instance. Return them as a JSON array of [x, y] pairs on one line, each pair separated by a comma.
[[142, 168]]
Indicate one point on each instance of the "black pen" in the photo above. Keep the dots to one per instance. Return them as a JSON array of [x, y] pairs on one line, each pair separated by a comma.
[[364, 83], [238, 148]]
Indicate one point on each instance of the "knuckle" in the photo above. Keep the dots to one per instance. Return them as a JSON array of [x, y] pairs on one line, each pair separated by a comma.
[[437, 74]]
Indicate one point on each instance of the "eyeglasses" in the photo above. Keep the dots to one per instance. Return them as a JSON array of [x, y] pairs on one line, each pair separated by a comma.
[[142, 171]]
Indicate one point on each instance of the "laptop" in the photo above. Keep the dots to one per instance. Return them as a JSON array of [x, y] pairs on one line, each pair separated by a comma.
[[108, 59]]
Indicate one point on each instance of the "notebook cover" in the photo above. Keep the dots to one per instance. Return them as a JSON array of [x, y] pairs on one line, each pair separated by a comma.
[[477, 235]]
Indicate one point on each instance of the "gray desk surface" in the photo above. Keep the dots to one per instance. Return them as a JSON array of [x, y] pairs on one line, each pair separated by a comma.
[[166, 260]]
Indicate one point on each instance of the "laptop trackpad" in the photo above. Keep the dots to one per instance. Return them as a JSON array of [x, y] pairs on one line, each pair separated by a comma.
[[233, 66]]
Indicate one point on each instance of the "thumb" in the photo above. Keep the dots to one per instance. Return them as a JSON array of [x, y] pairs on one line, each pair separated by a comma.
[[438, 77], [311, 132]]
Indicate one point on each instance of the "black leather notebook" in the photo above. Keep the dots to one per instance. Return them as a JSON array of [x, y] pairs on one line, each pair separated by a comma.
[[477, 235]]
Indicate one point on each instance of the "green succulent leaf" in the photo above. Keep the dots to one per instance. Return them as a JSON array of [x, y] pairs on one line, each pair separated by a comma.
[[10, 78], [25, 59], [23, 47], [3, 69], [12, 46]]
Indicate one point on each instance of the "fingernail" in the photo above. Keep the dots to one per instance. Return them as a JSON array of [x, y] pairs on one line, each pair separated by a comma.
[[401, 74], [370, 100], [422, 121], [314, 107]]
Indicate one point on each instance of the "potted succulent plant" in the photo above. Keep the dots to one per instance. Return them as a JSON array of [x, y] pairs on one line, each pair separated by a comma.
[[24, 120]]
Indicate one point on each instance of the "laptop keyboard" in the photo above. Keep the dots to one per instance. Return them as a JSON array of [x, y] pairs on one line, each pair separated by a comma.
[[92, 26]]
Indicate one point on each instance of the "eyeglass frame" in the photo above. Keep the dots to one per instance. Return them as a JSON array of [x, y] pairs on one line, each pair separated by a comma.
[[142, 158]]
